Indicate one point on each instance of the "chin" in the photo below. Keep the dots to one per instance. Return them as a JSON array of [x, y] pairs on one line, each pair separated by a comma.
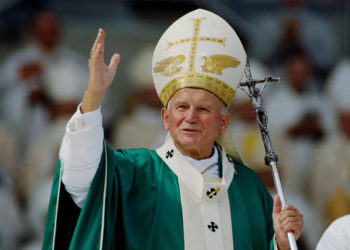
[[190, 138], [190, 143]]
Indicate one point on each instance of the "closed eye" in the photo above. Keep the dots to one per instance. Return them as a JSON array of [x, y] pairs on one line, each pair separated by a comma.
[[202, 109], [181, 107]]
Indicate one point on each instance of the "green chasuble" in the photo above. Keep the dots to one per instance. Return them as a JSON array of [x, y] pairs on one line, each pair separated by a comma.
[[134, 203]]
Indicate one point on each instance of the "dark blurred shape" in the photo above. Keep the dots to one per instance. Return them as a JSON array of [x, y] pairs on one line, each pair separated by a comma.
[[46, 30], [161, 9], [14, 16]]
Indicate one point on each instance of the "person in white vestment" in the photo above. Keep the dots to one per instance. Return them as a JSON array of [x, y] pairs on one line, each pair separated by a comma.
[[331, 167], [65, 90], [300, 118], [337, 235], [193, 116], [296, 115], [141, 125], [26, 74], [295, 24]]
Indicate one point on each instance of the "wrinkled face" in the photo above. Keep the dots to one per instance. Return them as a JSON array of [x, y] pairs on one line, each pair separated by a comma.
[[194, 118]]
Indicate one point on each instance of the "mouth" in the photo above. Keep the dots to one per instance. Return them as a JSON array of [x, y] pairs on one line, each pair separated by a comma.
[[189, 130]]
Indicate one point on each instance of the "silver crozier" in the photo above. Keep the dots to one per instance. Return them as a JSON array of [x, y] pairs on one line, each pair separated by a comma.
[[250, 88]]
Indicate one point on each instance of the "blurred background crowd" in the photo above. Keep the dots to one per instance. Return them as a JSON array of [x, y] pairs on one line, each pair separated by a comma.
[[44, 50]]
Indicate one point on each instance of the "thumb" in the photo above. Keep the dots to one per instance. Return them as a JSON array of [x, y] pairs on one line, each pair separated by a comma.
[[114, 62], [277, 205]]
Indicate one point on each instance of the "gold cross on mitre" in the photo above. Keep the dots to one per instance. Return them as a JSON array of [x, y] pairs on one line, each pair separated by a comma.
[[194, 41], [172, 70]]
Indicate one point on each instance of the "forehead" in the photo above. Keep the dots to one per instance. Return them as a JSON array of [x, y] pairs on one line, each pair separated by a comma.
[[195, 95]]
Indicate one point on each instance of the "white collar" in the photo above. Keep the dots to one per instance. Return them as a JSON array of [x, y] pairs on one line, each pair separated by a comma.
[[192, 178], [202, 164]]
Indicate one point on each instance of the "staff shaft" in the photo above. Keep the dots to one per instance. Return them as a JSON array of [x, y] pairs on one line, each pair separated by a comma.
[[279, 190]]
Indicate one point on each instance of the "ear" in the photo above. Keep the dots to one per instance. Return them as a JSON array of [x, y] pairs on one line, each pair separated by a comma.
[[225, 122], [165, 118]]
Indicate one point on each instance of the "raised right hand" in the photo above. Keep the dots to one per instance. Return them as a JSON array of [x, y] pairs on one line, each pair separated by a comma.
[[100, 74]]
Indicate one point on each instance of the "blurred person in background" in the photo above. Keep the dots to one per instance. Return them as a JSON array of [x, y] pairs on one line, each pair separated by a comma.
[[25, 103], [299, 115], [41, 87], [141, 125], [40, 159], [331, 167], [299, 118], [295, 25], [64, 88]]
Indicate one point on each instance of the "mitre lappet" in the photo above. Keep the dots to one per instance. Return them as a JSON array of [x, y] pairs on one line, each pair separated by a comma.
[[200, 50]]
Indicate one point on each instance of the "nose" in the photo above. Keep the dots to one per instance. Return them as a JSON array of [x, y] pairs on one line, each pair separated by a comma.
[[191, 116]]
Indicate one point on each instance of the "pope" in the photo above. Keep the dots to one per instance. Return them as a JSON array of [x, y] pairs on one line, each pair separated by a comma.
[[193, 192]]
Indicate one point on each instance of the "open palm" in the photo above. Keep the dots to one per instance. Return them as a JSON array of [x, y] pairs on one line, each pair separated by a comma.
[[100, 75]]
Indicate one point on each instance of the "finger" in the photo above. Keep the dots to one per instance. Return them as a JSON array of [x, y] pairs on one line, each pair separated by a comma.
[[294, 228], [97, 56], [290, 220], [99, 39], [289, 211], [102, 40], [114, 62], [294, 224], [100, 50], [289, 207], [93, 48], [277, 206]]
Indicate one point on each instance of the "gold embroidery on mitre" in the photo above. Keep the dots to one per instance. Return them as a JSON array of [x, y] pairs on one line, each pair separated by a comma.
[[194, 42], [195, 80], [169, 66], [216, 63]]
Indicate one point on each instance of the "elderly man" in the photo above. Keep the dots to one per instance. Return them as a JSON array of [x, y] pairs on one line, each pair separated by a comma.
[[187, 194]]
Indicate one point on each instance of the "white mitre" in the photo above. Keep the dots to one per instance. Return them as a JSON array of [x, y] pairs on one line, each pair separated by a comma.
[[200, 50]]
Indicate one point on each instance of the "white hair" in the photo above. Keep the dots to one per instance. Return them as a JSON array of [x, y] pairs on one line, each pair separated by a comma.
[[224, 108]]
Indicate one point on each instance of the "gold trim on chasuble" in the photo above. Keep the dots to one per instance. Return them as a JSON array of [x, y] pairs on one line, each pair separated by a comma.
[[197, 80]]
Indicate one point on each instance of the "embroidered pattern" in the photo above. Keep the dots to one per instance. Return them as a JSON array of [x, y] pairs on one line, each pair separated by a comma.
[[169, 66], [213, 227], [216, 63], [170, 154]]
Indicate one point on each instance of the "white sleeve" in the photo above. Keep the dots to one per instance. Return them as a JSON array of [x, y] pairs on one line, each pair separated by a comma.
[[80, 153], [337, 235]]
